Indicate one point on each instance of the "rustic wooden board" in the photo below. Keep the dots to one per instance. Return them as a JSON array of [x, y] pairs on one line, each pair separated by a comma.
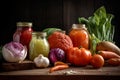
[[72, 73], [88, 70], [17, 66]]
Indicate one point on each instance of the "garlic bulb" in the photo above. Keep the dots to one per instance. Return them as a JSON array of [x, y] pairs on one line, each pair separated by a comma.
[[41, 61]]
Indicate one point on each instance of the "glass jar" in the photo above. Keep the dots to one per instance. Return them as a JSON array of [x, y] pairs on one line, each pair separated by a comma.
[[38, 45], [79, 35], [23, 34]]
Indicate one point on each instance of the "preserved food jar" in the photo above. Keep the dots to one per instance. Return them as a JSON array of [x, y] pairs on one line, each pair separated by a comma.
[[23, 34], [38, 45], [79, 35]]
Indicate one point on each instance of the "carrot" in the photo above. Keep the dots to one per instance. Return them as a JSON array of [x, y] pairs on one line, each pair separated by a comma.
[[108, 54], [58, 67], [114, 61], [59, 63], [108, 46]]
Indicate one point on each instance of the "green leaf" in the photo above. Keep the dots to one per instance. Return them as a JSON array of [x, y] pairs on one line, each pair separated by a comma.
[[100, 12], [100, 25]]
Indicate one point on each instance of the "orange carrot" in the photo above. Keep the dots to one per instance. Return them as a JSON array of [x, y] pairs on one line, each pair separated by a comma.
[[108, 54], [58, 67], [59, 63], [114, 61]]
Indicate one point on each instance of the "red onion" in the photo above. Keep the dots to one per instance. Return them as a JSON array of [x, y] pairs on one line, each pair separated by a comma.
[[56, 54], [14, 52]]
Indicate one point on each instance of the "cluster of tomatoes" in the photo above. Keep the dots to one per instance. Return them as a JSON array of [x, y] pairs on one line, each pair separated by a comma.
[[79, 54]]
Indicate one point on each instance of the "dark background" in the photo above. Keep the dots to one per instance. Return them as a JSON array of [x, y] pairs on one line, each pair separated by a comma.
[[52, 13]]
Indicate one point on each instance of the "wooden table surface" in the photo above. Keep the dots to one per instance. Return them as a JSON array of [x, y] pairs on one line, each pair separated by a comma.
[[72, 73]]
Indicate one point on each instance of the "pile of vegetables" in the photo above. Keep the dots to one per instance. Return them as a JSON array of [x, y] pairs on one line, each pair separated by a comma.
[[101, 33], [92, 45]]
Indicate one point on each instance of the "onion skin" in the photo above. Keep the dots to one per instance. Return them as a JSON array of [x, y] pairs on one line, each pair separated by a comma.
[[56, 54], [14, 52]]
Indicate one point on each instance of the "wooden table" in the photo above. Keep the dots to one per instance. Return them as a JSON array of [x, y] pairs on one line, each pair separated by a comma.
[[73, 73]]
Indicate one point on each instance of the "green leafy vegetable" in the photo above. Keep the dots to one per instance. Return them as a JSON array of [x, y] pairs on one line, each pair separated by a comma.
[[49, 31], [99, 26]]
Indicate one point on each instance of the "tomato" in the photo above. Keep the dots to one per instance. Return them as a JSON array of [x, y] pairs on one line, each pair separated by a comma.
[[78, 57], [79, 36], [97, 61]]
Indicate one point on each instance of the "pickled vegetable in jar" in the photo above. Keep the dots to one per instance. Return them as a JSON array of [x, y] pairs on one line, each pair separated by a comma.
[[38, 45], [23, 34], [79, 36]]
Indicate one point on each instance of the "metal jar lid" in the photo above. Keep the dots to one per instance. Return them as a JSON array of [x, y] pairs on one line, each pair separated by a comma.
[[37, 33], [24, 24], [79, 26]]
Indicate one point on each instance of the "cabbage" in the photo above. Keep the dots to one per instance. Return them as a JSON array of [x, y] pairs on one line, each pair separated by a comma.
[[56, 54], [14, 52]]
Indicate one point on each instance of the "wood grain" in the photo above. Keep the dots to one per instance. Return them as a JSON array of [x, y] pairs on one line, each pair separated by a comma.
[[76, 73], [17, 66]]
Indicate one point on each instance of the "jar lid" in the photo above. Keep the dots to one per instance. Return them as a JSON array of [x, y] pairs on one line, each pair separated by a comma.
[[39, 33], [79, 26], [23, 24]]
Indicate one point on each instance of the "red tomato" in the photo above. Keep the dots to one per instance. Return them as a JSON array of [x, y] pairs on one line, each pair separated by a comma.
[[97, 61], [79, 57]]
